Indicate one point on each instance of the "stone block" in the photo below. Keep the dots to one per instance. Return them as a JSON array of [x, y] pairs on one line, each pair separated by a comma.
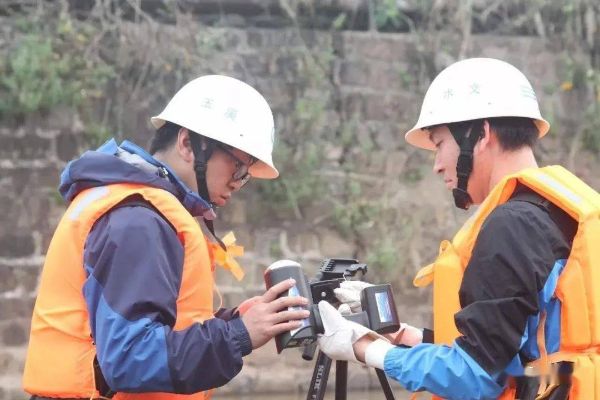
[[12, 361], [387, 107], [15, 332], [378, 76], [353, 105], [315, 39], [395, 163], [60, 119], [17, 244], [14, 393], [334, 245], [12, 276], [267, 38], [16, 307], [29, 179], [279, 95], [28, 212], [29, 147], [253, 65], [8, 279], [67, 146], [387, 134], [289, 67], [375, 46], [235, 213], [354, 73], [305, 242]]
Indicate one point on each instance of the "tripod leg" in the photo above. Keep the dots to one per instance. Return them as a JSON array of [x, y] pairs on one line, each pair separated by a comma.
[[318, 383], [385, 385], [341, 380]]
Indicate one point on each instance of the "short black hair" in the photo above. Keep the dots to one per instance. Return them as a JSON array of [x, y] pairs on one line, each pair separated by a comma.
[[164, 137], [515, 132]]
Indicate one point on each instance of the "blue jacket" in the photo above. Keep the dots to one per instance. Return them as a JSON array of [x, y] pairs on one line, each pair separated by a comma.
[[144, 354]]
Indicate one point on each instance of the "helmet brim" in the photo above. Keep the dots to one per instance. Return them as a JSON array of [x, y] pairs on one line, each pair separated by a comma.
[[259, 170]]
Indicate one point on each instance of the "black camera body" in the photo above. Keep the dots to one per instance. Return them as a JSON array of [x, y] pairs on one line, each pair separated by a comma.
[[378, 308]]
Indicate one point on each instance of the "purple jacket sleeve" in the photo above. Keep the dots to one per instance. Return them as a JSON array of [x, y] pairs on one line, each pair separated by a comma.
[[134, 261]]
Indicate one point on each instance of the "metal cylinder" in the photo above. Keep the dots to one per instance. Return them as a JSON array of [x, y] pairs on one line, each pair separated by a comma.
[[279, 272]]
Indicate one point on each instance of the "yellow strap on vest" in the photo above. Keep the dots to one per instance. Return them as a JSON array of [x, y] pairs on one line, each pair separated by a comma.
[[424, 277], [544, 364], [547, 371], [584, 379], [225, 258], [549, 389]]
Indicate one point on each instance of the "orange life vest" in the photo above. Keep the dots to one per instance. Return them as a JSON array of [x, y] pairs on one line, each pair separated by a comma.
[[61, 350], [578, 287]]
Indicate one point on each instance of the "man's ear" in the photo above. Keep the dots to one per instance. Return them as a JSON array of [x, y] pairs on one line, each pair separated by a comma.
[[184, 146], [486, 138]]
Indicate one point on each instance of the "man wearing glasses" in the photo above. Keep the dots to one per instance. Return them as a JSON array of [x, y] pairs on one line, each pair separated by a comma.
[[125, 304]]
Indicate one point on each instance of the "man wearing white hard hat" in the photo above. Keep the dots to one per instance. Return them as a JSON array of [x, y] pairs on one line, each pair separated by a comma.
[[515, 293], [125, 305]]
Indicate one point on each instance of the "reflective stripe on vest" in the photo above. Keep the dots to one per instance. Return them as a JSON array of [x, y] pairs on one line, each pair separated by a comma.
[[578, 285], [61, 351]]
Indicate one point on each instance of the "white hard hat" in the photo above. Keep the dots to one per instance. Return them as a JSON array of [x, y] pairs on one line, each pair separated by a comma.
[[229, 111], [475, 88]]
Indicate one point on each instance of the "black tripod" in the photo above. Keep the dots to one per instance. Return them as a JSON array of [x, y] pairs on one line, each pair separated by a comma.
[[318, 383]]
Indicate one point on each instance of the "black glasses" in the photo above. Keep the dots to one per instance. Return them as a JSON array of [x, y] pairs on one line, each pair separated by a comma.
[[242, 169]]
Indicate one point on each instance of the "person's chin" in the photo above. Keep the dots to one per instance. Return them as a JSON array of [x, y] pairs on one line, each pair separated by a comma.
[[221, 201]]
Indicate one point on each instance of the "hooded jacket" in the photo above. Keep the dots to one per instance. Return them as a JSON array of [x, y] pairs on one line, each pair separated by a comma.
[[133, 261]]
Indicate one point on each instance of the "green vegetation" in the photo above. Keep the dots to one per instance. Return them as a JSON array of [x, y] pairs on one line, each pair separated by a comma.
[[43, 69], [299, 150], [115, 59]]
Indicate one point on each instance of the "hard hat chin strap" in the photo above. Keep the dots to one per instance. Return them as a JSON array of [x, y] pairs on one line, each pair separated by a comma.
[[466, 135], [203, 149]]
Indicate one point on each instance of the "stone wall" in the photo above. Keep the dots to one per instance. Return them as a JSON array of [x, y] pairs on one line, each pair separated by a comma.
[[367, 81]]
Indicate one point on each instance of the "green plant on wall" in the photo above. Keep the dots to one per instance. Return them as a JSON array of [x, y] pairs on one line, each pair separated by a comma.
[[298, 186], [357, 215], [591, 133], [53, 60], [388, 14], [591, 118], [383, 254], [41, 71], [96, 134], [299, 149]]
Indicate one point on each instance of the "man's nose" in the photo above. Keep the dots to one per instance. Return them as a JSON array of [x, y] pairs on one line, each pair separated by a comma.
[[235, 185]]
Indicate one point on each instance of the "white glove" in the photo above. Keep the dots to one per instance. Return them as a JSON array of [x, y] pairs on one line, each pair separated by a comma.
[[340, 334], [349, 294]]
